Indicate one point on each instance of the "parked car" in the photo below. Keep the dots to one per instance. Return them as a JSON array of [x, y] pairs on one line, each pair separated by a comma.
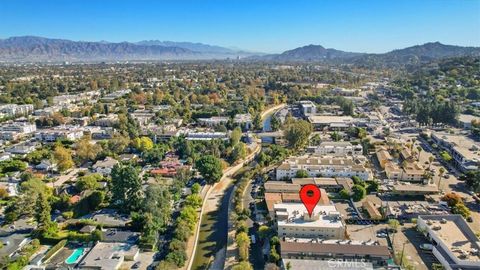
[[382, 235], [426, 246]]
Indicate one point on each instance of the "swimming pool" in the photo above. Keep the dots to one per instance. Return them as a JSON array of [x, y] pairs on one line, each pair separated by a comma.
[[76, 255]]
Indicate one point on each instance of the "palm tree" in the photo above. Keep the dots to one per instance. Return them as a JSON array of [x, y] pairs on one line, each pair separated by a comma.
[[430, 160], [419, 149], [441, 172]]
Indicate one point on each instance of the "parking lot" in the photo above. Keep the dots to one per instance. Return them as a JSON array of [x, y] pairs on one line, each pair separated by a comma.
[[367, 233]]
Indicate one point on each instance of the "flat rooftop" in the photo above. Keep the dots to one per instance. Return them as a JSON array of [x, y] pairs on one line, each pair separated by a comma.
[[317, 264], [327, 119], [296, 215], [462, 144], [455, 233]]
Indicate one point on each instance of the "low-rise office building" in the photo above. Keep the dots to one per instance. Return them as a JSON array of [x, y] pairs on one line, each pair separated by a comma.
[[464, 151], [455, 245], [330, 250], [332, 122], [293, 221]]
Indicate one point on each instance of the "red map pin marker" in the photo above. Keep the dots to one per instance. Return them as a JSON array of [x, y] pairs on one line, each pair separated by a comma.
[[310, 195]]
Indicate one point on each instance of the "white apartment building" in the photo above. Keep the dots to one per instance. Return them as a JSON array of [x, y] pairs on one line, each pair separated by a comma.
[[293, 221], [455, 245], [324, 167], [14, 109], [62, 133], [19, 127], [336, 149]]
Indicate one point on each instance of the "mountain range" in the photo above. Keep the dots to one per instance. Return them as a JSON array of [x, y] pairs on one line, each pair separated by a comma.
[[39, 49]]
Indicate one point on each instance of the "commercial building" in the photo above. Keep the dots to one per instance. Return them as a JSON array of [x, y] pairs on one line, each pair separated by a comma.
[[464, 151], [336, 149], [325, 167], [287, 194], [455, 245], [332, 122], [465, 120], [307, 107], [330, 250], [293, 221]]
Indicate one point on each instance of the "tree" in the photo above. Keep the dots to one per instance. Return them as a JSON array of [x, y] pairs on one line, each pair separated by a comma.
[[3, 193], [461, 209], [63, 157], [210, 168], [393, 224], [242, 266], [243, 243], [441, 172], [344, 194], [42, 210], [239, 152], [373, 186], [263, 231], [472, 179], [156, 154], [143, 144], [335, 136], [446, 156], [452, 199], [157, 203], [86, 150], [193, 200], [274, 256], [419, 149], [301, 174], [297, 133], [195, 188], [118, 143], [126, 187], [359, 192], [275, 123], [235, 136], [257, 122], [430, 161], [89, 182]]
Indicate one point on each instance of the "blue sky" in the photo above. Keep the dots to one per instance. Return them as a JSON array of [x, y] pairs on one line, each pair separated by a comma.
[[267, 26]]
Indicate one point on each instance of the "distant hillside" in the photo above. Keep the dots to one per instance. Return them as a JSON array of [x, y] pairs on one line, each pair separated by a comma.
[[198, 47], [311, 53], [410, 55], [39, 49], [31, 48], [417, 54]]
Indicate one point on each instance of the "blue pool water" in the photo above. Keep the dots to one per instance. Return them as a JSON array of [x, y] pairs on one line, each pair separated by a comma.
[[76, 255]]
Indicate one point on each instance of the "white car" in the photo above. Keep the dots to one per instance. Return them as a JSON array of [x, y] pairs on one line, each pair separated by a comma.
[[426, 246]]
